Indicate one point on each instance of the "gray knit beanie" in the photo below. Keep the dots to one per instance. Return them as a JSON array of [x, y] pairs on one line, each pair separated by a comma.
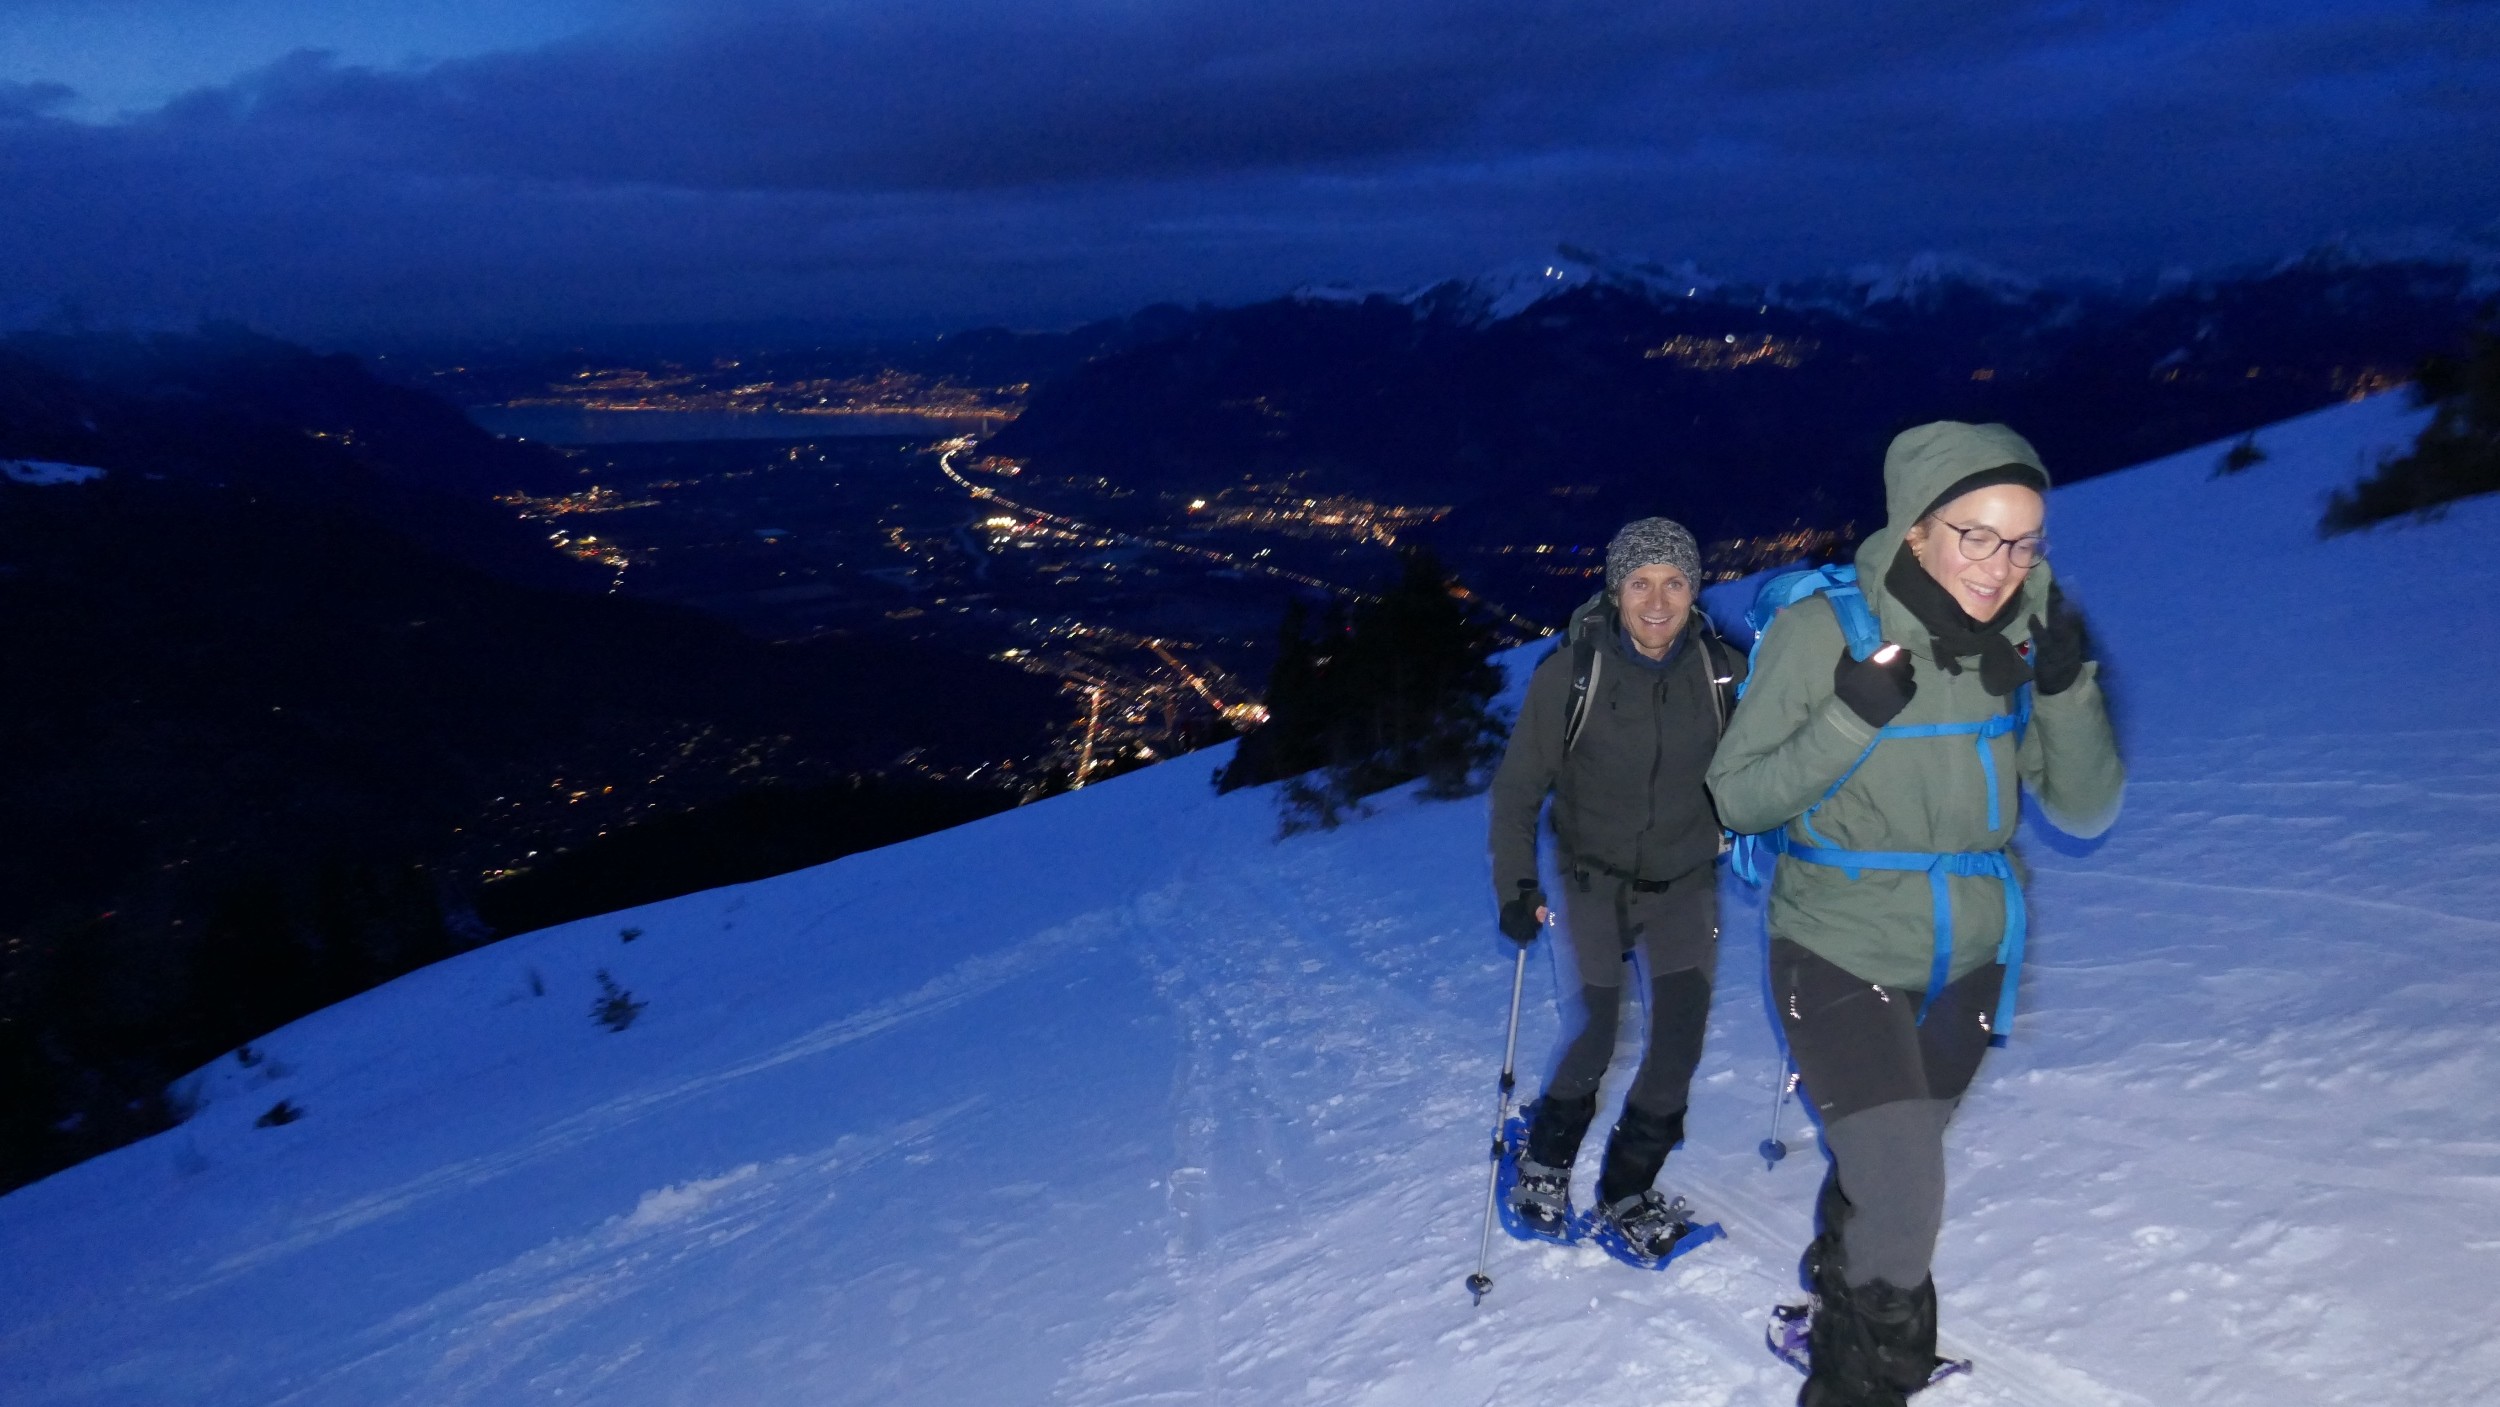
[[1645, 543]]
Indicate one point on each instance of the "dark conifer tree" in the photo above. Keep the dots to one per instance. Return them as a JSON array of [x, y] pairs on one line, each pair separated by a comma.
[[2458, 454], [1396, 690]]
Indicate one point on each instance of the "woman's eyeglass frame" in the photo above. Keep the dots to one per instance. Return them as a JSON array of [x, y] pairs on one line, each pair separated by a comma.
[[2014, 547]]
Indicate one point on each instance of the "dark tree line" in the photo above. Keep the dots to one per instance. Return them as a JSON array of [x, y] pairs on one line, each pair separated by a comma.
[[98, 1011], [2458, 454], [1359, 701]]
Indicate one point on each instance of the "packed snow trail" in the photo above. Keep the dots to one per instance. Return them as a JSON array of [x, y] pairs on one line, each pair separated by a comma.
[[1115, 1100]]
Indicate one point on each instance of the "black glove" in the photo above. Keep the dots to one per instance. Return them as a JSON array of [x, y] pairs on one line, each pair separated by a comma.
[[2058, 648], [1519, 923], [1875, 692]]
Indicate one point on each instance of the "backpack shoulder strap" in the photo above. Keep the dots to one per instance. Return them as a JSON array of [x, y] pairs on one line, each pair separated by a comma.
[[1587, 661], [1857, 619], [1837, 584], [1718, 670]]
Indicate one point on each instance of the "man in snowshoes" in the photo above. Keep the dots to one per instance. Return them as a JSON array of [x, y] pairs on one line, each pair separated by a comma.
[[1618, 727], [1888, 773]]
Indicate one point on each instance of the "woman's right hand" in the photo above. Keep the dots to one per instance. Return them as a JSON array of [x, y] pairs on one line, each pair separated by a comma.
[[1878, 687]]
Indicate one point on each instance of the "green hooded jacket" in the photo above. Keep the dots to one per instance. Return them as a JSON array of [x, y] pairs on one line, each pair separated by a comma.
[[1792, 737]]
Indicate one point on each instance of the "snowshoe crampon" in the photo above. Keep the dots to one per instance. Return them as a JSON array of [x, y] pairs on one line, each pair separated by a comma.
[[1534, 1213], [1788, 1339], [1652, 1235]]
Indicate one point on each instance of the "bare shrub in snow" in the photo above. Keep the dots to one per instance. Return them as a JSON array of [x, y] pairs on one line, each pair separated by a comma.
[[615, 1007]]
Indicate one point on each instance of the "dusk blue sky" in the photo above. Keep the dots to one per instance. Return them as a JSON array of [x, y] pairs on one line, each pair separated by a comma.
[[338, 170]]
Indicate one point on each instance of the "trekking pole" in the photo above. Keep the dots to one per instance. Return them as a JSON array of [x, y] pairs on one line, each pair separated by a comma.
[[1772, 1150], [1480, 1282]]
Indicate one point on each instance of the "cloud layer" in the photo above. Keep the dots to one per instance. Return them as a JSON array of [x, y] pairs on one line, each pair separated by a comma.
[[945, 161]]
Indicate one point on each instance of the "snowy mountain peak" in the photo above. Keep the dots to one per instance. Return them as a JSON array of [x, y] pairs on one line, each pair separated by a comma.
[[1507, 292], [1923, 282], [1928, 277], [2476, 253]]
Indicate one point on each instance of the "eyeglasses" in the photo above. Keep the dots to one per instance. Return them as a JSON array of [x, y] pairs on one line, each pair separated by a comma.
[[1981, 543]]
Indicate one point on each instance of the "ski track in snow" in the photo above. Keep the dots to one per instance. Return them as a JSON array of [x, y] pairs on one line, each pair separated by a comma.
[[1347, 1274], [1116, 1101]]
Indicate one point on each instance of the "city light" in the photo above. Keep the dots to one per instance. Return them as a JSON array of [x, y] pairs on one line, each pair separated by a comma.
[[1729, 351]]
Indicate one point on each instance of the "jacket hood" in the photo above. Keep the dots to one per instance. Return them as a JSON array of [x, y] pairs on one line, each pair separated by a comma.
[[1925, 461], [1921, 463]]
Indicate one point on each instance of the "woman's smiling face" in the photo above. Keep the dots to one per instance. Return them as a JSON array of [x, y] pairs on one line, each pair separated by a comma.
[[2012, 513]]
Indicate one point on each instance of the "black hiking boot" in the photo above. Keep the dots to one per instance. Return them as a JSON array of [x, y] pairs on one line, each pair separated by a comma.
[[1872, 1345], [1541, 1198], [1555, 1128], [1649, 1224], [1820, 1265], [1869, 1345], [1635, 1151], [1542, 1195]]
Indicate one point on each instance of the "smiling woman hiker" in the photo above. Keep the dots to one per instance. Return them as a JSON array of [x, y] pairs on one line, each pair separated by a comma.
[[1889, 773], [1619, 725]]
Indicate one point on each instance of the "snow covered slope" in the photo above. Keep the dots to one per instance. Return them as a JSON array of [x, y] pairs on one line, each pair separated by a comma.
[[1111, 1100]]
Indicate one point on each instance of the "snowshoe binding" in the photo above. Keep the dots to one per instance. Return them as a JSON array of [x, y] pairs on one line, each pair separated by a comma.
[[1535, 1199], [1647, 1230], [1788, 1338]]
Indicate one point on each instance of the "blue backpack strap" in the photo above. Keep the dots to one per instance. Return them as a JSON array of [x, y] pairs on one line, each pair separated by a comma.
[[1857, 619], [1939, 869], [1752, 856]]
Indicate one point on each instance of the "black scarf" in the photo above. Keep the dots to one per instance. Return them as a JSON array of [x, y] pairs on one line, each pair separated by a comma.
[[1954, 636]]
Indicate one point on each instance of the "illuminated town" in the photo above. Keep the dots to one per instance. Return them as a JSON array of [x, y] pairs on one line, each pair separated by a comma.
[[594, 499], [1265, 508], [1155, 630], [1732, 558], [1728, 352]]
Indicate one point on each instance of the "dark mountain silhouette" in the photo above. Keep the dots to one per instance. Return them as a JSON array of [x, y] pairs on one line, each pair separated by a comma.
[[1741, 410], [277, 703]]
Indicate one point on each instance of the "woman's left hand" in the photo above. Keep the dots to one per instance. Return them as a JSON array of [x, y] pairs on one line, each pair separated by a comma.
[[2059, 647]]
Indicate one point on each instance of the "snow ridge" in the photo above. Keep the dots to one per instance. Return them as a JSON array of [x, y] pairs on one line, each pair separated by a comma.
[[1115, 1099]]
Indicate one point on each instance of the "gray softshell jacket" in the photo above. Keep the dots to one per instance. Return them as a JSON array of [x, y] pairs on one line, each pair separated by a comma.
[[1629, 798]]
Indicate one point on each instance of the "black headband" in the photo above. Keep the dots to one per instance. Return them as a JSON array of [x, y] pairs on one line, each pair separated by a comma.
[[2021, 474]]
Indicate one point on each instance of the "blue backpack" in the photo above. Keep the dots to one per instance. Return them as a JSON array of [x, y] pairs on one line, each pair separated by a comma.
[[1753, 856]]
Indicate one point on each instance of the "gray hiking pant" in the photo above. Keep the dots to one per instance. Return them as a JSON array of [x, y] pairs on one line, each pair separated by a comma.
[[1884, 1085], [1674, 934]]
